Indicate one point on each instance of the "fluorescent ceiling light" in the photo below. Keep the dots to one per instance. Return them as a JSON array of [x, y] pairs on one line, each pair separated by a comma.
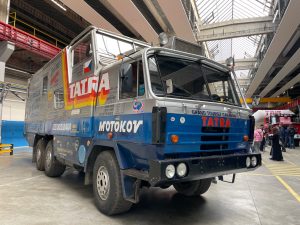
[[59, 5]]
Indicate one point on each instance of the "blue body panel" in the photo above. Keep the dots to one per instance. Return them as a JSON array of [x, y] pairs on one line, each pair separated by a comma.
[[75, 138]]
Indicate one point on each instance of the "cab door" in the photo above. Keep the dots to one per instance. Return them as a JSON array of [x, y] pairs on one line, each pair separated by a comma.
[[80, 90]]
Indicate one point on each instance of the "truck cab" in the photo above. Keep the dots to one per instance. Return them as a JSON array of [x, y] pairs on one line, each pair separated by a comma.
[[130, 115]]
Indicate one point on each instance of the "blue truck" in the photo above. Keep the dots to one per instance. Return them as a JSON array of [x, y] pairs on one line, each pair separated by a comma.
[[129, 115]]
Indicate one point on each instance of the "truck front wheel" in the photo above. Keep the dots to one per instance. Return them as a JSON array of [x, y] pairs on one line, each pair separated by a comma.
[[53, 168], [193, 188], [107, 185]]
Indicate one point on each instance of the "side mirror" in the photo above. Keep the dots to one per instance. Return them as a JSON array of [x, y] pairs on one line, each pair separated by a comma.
[[169, 84], [126, 77]]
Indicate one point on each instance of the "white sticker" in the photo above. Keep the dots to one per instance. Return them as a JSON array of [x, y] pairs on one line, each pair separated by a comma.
[[182, 120], [172, 119]]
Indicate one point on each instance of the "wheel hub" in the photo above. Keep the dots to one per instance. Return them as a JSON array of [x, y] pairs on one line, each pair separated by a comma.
[[48, 158], [38, 154], [103, 184]]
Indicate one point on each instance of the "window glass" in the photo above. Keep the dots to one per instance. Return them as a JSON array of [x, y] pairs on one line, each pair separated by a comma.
[[132, 80], [59, 99], [45, 85], [190, 79], [82, 50]]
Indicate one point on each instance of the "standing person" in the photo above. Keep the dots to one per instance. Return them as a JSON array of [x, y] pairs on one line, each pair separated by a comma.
[[263, 142], [286, 138], [258, 136], [291, 133], [282, 137], [276, 150]]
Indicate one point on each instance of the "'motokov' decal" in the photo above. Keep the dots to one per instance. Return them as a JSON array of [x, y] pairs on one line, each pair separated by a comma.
[[129, 126]]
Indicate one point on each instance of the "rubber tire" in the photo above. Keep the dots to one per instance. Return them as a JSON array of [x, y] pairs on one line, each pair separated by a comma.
[[193, 188], [40, 162], [115, 203], [54, 168]]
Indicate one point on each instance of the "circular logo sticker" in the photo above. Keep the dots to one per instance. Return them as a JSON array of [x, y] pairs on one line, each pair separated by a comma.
[[81, 154], [182, 120], [172, 119]]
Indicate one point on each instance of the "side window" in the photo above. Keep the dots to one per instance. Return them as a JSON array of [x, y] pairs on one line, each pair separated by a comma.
[[58, 99], [132, 80], [45, 85], [82, 59], [82, 50]]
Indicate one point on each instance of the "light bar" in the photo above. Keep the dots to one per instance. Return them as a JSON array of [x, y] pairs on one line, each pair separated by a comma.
[[59, 5]]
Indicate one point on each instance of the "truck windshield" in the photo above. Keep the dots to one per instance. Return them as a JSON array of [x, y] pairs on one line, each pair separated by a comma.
[[190, 80]]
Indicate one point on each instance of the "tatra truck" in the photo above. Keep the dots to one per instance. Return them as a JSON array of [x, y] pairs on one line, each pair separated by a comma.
[[130, 115]]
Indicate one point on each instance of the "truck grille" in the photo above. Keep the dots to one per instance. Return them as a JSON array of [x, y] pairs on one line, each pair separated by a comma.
[[212, 137]]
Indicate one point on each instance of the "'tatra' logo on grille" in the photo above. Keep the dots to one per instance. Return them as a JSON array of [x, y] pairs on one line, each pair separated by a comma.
[[121, 126], [215, 122]]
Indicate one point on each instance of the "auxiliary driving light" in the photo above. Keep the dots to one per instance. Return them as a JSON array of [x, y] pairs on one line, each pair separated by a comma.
[[246, 138], [248, 162], [170, 171], [181, 170], [253, 161]]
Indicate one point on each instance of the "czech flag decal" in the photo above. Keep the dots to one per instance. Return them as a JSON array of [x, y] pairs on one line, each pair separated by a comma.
[[87, 66]]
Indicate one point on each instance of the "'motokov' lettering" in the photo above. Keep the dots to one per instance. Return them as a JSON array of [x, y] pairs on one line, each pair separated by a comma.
[[122, 126]]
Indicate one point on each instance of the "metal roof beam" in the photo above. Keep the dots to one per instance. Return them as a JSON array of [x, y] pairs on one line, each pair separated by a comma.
[[285, 71], [132, 18], [286, 29], [178, 19], [287, 86], [89, 14], [236, 28]]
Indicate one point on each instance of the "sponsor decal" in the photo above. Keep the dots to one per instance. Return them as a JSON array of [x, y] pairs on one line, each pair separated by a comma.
[[81, 154], [182, 120], [87, 66], [61, 126], [83, 93], [215, 122], [120, 126], [213, 114], [138, 106]]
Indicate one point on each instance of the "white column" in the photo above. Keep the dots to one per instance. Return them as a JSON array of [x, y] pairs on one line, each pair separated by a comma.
[[6, 49]]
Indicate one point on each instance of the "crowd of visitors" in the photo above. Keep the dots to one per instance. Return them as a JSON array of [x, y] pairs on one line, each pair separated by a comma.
[[283, 138]]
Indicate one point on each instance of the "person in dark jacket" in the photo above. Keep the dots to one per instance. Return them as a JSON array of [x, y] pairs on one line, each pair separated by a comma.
[[276, 150], [291, 133], [282, 137]]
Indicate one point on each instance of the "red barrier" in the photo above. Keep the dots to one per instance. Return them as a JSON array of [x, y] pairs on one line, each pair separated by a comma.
[[27, 41]]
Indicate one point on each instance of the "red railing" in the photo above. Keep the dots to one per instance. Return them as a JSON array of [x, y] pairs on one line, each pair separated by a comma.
[[292, 104], [27, 41]]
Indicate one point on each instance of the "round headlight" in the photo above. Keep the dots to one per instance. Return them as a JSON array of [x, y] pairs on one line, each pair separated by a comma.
[[181, 170], [253, 161], [170, 171], [248, 162]]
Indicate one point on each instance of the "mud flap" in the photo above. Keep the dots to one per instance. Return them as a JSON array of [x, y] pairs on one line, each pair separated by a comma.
[[131, 188]]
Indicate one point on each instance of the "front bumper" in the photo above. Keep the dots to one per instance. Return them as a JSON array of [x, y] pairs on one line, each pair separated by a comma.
[[201, 167]]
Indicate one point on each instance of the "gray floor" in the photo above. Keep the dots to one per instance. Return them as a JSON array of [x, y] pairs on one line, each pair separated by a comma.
[[27, 196]]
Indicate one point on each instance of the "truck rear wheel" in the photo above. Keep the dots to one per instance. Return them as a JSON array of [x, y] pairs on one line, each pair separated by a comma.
[[193, 188], [40, 154], [107, 185], [53, 168]]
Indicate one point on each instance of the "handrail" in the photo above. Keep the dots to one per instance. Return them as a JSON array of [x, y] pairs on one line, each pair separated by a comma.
[[13, 15]]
